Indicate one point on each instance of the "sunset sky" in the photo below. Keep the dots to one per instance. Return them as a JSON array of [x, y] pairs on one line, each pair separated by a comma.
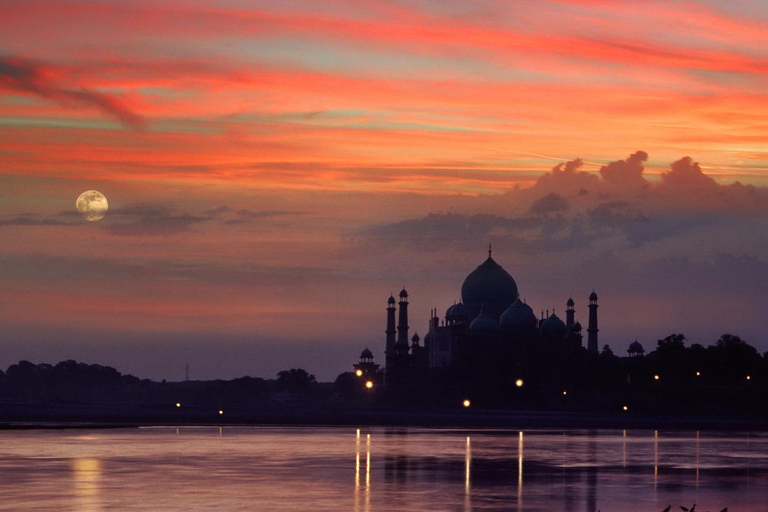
[[276, 169]]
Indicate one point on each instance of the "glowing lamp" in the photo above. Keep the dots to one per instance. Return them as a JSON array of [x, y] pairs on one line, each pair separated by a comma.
[[359, 373], [749, 377], [565, 393], [221, 412], [698, 374], [369, 384], [178, 404], [655, 377], [519, 383], [466, 403], [625, 408]]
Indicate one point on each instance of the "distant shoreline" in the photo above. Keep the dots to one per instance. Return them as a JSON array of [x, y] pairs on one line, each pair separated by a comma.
[[23, 416]]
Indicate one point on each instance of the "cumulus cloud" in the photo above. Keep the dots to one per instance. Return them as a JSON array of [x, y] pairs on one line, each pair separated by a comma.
[[685, 187], [567, 177], [620, 211], [625, 173], [550, 203], [620, 223], [33, 78], [685, 174]]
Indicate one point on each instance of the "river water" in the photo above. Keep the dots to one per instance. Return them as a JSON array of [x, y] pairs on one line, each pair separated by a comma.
[[375, 469]]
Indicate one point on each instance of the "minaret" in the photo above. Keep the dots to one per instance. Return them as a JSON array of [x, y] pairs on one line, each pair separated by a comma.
[[402, 324], [390, 348], [592, 329], [569, 312]]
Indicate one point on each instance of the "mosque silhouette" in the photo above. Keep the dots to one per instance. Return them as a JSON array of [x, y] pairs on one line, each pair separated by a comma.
[[490, 326]]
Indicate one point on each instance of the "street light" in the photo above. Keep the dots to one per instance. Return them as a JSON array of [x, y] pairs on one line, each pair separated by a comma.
[[655, 377], [359, 373], [221, 412], [178, 404], [519, 383], [466, 403], [369, 384], [625, 408]]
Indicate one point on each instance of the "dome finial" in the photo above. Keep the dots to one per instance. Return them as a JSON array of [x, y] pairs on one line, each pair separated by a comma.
[[490, 250]]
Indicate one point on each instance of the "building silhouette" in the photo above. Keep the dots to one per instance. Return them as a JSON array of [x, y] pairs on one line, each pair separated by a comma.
[[489, 322]]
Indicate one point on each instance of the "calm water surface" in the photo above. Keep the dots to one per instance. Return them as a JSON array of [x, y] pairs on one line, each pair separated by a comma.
[[374, 469]]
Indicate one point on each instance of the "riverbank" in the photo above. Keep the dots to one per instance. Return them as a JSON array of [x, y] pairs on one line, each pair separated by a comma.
[[20, 415]]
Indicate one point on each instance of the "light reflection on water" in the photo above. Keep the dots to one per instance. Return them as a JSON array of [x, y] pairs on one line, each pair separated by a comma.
[[377, 469]]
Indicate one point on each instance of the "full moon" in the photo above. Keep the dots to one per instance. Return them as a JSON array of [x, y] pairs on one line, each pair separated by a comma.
[[92, 204]]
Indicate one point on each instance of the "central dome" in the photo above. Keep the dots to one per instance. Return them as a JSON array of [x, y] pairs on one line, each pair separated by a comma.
[[490, 288]]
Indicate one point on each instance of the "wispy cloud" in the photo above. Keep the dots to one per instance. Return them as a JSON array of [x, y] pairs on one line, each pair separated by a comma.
[[29, 77]]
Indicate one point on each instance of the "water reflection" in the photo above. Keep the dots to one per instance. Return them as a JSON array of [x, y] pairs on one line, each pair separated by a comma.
[[467, 467], [467, 463], [655, 459], [367, 490], [412, 469], [697, 460], [624, 449], [87, 473], [367, 472], [592, 466], [520, 472]]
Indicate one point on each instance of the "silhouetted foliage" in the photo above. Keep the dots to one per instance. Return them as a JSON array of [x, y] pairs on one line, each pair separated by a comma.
[[728, 377], [732, 359], [295, 380], [673, 345], [346, 384]]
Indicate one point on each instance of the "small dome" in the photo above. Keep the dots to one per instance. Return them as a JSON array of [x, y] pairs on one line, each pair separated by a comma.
[[570, 302], [554, 326], [403, 293], [449, 311], [366, 354], [519, 314], [576, 327], [593, 295], [460, 310], [483, 323], [415, 338], [391, 300], [635, 346]]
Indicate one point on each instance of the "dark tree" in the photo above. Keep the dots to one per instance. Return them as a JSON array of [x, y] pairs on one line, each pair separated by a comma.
[[732, 359], [294, 380], [346, 384], [673, 346]]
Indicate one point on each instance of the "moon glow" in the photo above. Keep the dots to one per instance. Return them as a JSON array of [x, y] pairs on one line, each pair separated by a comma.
[[92, 204]]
